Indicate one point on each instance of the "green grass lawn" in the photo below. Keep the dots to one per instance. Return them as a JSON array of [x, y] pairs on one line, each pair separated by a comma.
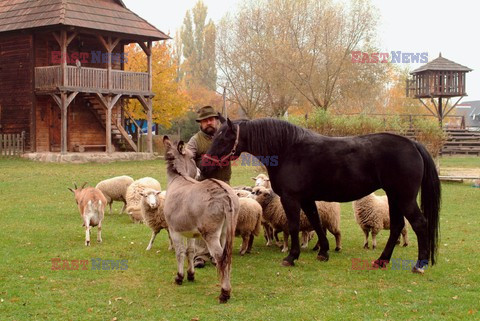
[[460, 161], [40, 221]]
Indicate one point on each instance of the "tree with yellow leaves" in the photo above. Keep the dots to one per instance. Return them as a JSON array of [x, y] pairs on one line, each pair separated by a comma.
[[171, 100]]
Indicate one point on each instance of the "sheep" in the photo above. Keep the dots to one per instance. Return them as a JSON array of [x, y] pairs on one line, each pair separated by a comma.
[[262, 180], [248, 223], [274, 214], [134, 198], [242, 192], [91, 204], [115, 189], [152, 212], [372, 213]]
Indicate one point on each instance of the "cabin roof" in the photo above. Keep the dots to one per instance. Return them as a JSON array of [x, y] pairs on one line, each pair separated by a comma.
[[441, 64], [105, 15]]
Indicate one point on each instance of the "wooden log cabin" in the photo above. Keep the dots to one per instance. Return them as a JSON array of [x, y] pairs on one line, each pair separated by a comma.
[[62, 77]]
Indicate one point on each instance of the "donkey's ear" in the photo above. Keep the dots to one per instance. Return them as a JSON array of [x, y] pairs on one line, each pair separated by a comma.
[[221, 118], [166, 141], [229, 123], [181, 147]]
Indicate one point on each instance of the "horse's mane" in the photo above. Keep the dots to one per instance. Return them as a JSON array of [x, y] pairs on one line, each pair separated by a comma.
[[269, 136]]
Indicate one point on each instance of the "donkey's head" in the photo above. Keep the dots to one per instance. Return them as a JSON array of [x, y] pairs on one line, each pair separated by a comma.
[[179, 159]]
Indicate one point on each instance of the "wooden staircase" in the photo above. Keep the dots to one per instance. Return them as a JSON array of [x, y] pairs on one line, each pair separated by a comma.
[[462, 142], [120, 137], [459, 142]]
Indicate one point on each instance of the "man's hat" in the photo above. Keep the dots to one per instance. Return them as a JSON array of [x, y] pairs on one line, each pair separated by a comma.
[[206, 112]]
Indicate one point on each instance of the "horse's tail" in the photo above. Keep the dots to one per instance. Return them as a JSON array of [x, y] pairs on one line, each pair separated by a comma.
[[225, 263], [430, 200]]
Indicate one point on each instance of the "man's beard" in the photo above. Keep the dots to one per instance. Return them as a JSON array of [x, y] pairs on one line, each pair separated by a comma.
[[209, 130]]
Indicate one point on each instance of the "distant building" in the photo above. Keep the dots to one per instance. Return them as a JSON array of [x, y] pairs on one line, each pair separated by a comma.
[[470, 110]]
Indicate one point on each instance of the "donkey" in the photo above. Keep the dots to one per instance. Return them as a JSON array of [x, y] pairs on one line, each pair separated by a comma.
[[207, 209]]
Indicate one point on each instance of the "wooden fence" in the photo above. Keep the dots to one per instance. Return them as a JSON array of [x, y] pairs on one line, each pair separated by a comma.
[[12, 144]]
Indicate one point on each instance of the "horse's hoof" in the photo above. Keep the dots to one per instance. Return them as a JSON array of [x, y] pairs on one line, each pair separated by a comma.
[[380, 264], [224, 296], [287, 263], [190, 276], [316, 248], [418, 270], [322, 257], [338, 249]]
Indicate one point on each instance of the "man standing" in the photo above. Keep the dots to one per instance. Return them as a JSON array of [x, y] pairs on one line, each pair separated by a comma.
[[199, 145]]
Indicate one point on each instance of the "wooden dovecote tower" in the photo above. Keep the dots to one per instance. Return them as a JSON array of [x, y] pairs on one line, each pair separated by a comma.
[[437, 80]]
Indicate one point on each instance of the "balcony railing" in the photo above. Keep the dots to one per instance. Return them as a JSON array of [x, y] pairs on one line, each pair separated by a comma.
[[90, 80]]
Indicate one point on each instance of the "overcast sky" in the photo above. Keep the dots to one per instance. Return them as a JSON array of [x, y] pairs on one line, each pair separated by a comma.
[[449, 27]]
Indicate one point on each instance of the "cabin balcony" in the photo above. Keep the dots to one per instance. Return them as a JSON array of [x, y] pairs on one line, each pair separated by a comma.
[[91, 80]]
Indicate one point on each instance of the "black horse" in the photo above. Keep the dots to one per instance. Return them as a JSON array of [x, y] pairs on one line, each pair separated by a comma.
[[309, 167]]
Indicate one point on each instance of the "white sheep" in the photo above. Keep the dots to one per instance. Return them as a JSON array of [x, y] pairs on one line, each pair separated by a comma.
[[115, 189], [372, 214], [134, 198], [248, 223], [152, 212], [274, 214], [242, 192], [91, 204], [262, 180]]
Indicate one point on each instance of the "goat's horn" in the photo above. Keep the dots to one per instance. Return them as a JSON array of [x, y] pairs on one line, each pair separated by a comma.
[[84, 185], [75, 185]]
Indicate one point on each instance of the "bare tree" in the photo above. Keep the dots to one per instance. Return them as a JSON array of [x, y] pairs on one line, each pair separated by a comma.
[[301, 51], [237, 64]]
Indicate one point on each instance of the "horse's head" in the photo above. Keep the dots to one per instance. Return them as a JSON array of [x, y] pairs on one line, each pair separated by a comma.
[[179, 158], [225, 147]]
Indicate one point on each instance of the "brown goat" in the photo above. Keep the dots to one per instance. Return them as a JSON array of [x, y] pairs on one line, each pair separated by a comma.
[[91, 204]]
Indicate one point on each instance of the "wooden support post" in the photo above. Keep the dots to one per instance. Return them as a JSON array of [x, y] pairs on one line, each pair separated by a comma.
[[63, 49], [440, 112], [149, 124], [108, 104], [108, 126], [149, 66], [64, 109], [147, 105], [63, 102]]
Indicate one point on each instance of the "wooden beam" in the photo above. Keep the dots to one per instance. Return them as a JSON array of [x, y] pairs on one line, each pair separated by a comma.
[[57, 37], [108, 125], [147, 51], [455, 105], [57, 100], [143, 102], [149, 129], [63, 49], [102, 40], [427, 107], [147, 105], [115, 43], [102, 100], [64, 110], [149, 66], [72, 36], [71, 97]]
